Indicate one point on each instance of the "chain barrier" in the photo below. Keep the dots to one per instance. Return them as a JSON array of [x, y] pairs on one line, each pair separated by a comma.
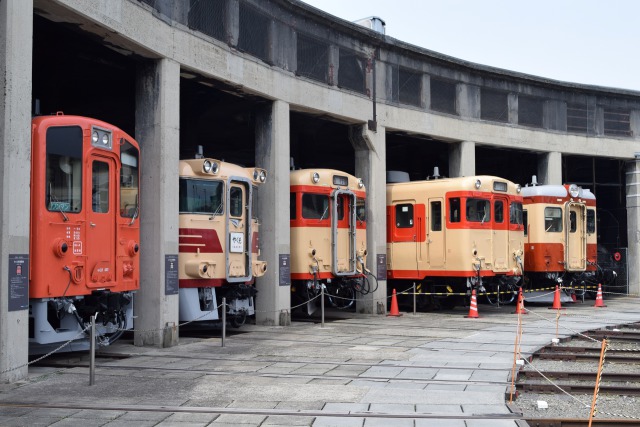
[[563, 326], [15, 368]]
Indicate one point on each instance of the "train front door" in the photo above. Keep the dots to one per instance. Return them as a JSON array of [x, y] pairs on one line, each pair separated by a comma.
[[576, 237], [435, 234], [238, 232], [501, 234], [100, 241]]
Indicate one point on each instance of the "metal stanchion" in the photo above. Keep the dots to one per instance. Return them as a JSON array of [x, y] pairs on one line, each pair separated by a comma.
[[498, 296], [92, 351], [414, 298], [224, 319], [322, 305]]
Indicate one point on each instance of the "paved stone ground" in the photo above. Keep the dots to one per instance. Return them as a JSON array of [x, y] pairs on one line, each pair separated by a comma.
[[436, 368]]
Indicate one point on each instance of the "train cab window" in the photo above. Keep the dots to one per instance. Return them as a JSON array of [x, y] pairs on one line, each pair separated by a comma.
[[516, 213], [454, 209], [498, 211], [64, 169], [236, 198], [404, 216], [573, 223], [340, 208], [200, 196], [591, 221], [436, 216], [361, 210], [100, 187], [129, 180], [315, 206], [478, 210], [525, 221], [553, 220], [293, 211]]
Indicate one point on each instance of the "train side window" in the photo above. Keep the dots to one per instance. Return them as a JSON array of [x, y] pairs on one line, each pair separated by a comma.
[[64, 169], [591, 221], [404, 216], [315, 206], [573, 223], [293, 213], [498, 211], [361, 210], [553, 220], [478, 210], [235, 201], [100, 187], [254, 202], [525, 221], [454, 209], [436, 216], [200, 196], [129, 180], [515, 213]]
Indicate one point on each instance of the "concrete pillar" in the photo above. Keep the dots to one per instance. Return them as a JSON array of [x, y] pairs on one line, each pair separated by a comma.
[[462, 159], [232, 22], [158, 132], [334, 64], [512, 105], [273, 302], [468, 100], [634, 124], [633, 225], [426, 90], [370, 151], [550, 168], [16, 40]]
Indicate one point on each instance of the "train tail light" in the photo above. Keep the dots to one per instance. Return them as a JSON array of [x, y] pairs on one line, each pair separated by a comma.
[[133, 248], [60, 247]]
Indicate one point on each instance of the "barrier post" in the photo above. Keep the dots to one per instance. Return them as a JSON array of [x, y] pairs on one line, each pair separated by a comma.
[[414, 298], [596, 390], [224, 319], [92, 351], [322, 306]]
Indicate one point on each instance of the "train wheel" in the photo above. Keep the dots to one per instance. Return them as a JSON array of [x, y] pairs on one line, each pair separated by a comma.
[[238, 320]]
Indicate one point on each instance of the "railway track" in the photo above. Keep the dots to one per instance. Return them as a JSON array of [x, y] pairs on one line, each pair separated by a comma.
[[579, 422]]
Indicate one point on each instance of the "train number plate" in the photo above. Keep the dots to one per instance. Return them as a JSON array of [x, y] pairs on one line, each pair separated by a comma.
[[237, 243]]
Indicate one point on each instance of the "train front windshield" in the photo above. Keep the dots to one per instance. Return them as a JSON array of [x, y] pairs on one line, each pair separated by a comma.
[[64, 169], [201, 197]]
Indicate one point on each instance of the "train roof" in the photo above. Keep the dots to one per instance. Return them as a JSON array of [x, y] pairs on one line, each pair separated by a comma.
[[326, 177], [559, 191], [465, 183], [219, 170]]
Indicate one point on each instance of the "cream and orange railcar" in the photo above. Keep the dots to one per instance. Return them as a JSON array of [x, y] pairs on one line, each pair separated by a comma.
[[328, 236], [85, 233], [560, 236], [455, 234], [218, 240]]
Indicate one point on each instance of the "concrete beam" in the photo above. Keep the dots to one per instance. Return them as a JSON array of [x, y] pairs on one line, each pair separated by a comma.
[[16, 40], [370, 152], [158, 132], [273, 301], [633, 225], [462, 159], [550, 168]]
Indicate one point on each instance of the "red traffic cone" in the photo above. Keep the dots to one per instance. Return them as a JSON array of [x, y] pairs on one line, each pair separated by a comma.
[[473, 307], [393, 311], [556, 300], [599, 300], [520, 304]]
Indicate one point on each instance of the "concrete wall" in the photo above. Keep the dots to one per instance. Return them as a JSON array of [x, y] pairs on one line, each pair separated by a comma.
[[16, 23]]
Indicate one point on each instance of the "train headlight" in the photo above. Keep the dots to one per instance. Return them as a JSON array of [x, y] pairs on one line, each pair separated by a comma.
[[315, 177], [95, 137], [105, 140], [360, 183], [215, 167], [206, 166], [518, 188], [478, 184], [263, 176], [574, 190]]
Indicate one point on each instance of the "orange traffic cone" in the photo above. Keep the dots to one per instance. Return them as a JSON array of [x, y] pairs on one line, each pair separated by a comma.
[[520, 304], [599, 300], [473, 307], [393, 311], [556, 300]]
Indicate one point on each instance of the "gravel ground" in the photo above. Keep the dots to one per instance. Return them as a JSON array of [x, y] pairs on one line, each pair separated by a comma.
[[561, 405]]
